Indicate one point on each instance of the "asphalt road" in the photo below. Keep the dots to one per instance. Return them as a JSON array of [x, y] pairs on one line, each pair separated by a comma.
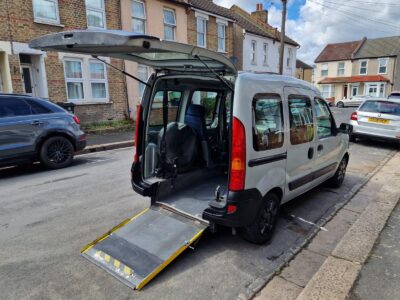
[[47, 216]]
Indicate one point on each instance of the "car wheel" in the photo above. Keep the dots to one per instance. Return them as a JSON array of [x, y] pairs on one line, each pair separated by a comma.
[[340, 104], [337, 179], [57, 152], [261, 230]]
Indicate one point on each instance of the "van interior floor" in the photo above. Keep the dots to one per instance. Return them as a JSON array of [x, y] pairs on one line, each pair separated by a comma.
[[194, 199]]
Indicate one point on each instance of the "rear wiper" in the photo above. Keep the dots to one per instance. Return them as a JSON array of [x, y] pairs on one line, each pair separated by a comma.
[[222, 79], [122, 71]]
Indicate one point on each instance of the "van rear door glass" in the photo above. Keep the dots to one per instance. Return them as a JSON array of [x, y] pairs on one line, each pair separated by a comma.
[[301, 120], [156, 113]]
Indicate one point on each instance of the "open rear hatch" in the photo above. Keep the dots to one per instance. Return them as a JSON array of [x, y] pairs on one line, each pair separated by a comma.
[[139, 248], [143, 49]]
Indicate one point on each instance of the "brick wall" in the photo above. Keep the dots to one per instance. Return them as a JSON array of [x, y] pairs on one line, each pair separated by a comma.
[[212, 34], [72, 16]]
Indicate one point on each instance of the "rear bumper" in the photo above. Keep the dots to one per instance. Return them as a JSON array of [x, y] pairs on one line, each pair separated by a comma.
[[374, 132], [80, 143], [248, 203]]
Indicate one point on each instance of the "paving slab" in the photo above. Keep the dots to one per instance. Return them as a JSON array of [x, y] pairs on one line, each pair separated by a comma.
[[303, 267], [325, 241], [332, 281], [279, 289], [359, 240]]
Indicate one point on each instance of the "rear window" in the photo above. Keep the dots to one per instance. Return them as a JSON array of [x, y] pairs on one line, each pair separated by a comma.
[[156, 113], [382, 107], [209, 101]]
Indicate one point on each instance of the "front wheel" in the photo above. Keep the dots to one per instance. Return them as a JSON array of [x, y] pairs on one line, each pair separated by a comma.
[[340, 104], [57, 152], [261, 230], [337, 179]]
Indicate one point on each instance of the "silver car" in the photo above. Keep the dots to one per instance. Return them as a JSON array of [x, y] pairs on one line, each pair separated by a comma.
[[377, 118], [34, 129]]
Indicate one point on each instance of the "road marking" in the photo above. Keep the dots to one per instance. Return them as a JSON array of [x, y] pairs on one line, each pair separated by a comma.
[[309, 222]]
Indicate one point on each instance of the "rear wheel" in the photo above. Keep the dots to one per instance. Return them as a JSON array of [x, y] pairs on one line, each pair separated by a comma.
[[340, 104], [337, 179], [57, 152], [261, 230]]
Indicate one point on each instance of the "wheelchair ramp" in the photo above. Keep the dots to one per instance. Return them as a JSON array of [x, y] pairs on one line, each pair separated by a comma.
[[139, 248]]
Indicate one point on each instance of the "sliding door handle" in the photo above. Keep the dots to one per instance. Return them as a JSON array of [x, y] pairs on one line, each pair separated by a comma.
[[320, 148]]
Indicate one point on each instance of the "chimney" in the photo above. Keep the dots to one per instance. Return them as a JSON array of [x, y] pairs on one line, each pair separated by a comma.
[[260, 13]]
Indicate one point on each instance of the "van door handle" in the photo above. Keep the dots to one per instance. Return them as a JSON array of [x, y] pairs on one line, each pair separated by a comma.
[[320, 148], [36, 122], [311, 152]]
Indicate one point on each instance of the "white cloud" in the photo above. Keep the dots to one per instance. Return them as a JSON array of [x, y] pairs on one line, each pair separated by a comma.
[[330, 21]]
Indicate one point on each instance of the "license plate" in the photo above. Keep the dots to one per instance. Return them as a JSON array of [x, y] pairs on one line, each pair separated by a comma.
[[377, 120]]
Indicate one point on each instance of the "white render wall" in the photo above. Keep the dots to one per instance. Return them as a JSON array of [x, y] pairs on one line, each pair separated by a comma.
[[273, 56]]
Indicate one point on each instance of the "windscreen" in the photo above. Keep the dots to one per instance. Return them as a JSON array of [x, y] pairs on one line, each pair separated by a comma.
[[381, 107]]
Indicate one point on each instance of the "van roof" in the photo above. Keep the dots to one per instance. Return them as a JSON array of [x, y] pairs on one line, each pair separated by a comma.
[[276, 79]]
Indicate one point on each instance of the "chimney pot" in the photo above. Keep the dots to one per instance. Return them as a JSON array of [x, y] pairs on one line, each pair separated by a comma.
[[260, 7]]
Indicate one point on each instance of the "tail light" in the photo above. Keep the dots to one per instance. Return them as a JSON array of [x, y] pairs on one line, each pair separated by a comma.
[[354, 116], [137, 130], [238, 157], [76, 120]]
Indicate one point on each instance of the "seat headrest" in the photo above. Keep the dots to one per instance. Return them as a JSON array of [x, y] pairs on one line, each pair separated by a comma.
[[196, 110]]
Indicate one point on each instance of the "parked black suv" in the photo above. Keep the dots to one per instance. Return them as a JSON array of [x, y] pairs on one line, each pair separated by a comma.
[[33, 129]]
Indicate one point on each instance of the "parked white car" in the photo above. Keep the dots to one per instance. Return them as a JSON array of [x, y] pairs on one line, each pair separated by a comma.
[[353, 101], [377, 118], [394, 95]]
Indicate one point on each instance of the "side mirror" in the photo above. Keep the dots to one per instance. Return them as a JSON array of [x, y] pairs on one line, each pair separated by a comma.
[[345, 128]]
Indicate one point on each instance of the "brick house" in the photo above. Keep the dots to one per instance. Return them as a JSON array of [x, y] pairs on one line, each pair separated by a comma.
[[98, 91], [210, 26], [303, 71], [365, 67]]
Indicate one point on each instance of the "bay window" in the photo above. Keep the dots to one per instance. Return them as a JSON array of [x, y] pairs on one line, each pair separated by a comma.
[[85, 80]]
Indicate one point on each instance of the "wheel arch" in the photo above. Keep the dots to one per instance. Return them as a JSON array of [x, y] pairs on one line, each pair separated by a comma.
[[277, 191], [50, 134]]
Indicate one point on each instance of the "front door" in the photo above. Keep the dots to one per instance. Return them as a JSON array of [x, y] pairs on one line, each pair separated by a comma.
[[301, 150], [27, 80], [345, 91]]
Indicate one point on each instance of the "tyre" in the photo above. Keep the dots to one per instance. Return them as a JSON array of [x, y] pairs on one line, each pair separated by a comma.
[[56, 152], [337, 179], [261, 230], [340, 104]]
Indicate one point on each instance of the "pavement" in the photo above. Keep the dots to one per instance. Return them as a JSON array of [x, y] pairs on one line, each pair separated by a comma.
[[329, 265], [46, 217], [109, 137]]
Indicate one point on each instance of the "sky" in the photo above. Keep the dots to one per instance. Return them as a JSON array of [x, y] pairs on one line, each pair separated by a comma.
[[315, 23]]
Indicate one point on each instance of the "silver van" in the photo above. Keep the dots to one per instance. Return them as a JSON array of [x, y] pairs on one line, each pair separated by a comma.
[[213, 147]]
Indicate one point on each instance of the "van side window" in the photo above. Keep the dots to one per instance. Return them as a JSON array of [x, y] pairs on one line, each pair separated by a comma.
[[301, 120], [267, 122], [324, 119], [156, 113], [209, 101]]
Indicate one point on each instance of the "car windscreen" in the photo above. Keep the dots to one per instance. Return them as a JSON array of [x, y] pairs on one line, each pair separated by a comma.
[[381, 107]]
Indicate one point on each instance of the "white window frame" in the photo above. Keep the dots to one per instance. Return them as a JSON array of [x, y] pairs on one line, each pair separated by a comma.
[[360, 67], [46, 20], [323, 69], [354, 87], [253, 52], [173, 26], [86, 80], [74, 80], [95, 80], [380, 60], [199, 18], [265, 54], [144, 19], [223, 38], [340, 71], [98, 10]]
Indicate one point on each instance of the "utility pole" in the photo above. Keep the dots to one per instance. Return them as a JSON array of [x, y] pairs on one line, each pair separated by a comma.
[[283, 25]]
